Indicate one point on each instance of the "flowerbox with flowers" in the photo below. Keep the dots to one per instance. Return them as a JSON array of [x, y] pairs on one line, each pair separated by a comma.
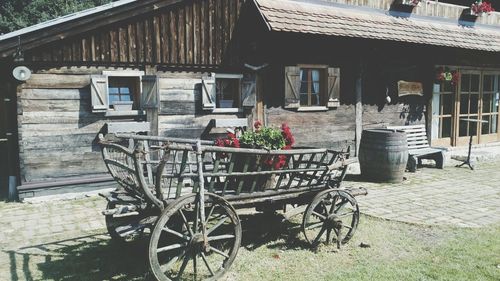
[[267, 138], [481, 7]]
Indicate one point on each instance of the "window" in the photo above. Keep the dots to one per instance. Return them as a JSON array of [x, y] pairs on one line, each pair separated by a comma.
[[227, 93], [121, 92], [312, 87], [223, 93]]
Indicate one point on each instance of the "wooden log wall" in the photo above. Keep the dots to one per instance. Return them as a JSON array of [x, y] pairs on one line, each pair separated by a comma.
[[196, 32], [181, 113], [331, 129], [57, 128]]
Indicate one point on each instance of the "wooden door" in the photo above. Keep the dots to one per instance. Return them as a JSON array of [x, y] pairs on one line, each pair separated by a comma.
[[489, 106], [468, 107]]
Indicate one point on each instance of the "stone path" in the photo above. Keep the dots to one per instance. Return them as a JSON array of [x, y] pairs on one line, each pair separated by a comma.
[[38, 241], [452, 196]]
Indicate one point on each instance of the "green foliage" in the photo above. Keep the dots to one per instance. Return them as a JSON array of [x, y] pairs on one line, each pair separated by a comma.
[[17, 14], [267, 138]]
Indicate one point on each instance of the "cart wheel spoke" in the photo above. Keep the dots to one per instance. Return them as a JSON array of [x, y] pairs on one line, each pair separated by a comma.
[[183, 266], [319, 215], [169, 264], [215, 250], [219, 223], [177, 239], [220, 237], [314, 225], [332, 207], [180, 235], [186, 223], [328, 236], [170, 248], [318, 237], [206, 264]]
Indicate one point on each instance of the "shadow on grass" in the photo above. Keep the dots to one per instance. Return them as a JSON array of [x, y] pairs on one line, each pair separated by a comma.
[[96, 257], [93, 257]]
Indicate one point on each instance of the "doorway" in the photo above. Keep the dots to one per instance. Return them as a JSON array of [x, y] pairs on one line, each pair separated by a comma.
[[469, 108]]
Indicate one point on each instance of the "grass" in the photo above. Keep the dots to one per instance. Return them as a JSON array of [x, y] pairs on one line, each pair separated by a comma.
[[397, 252], [275, 250]]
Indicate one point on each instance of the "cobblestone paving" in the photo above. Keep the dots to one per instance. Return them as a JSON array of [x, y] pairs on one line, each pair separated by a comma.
[[37, 241], [452, 196]]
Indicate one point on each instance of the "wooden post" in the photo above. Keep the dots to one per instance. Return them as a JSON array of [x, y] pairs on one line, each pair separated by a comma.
[[259, 107], [359, 107]]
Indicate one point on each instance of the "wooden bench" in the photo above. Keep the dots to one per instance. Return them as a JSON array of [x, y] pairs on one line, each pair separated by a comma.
[[419, 148]]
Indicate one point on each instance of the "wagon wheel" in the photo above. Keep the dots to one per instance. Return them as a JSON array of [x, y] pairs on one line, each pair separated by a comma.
[[122, 229], [178, 249], [331, 212]]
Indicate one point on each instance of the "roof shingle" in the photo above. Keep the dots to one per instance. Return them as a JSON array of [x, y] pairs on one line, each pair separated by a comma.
[[335, 20]]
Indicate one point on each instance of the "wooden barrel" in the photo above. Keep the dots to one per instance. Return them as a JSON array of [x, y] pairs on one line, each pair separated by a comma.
[[383, 154]]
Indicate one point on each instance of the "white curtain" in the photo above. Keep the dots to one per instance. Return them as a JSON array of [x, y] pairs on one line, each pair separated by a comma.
[[315, 80]]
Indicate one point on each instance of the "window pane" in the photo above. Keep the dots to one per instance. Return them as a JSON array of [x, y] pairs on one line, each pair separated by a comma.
[[472, 127], [303, 99], [464, 104], [113, 98], [446, 129], [462, 131], [315, 75], [474, 103], [488, 83], [303, 87], [446, 101], [465, 85], [303, 75], [124, 90], [494, 127], [125, 98], [315, 99], [448, 87], [113, 90], [485, 127], [474, 83], [315, 88], [487, 100]]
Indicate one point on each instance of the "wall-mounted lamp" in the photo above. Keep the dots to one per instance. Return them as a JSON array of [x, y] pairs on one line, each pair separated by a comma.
[[387, 97], [21, 73]]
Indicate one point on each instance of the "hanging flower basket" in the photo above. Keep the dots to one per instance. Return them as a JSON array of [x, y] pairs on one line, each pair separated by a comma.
[[445, 75], [480, 8]]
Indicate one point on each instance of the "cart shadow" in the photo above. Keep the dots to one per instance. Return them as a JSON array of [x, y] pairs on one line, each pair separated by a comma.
[[97, 257], [93, 257], [272, 231]]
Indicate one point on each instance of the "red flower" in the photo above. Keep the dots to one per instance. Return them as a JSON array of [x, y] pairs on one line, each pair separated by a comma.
[[257, 125]]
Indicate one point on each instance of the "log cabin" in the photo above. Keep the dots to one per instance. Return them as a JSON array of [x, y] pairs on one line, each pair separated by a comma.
[[191, 68]]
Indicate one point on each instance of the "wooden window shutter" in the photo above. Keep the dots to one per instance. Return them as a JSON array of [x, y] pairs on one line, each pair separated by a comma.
[[150, 94], [249, 91], [333, 87], [99, 93], [292, 86], [208, 92]]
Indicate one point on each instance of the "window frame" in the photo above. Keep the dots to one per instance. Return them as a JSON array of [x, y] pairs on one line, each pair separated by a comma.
[[238, 77], [110, 112], [323, 85]]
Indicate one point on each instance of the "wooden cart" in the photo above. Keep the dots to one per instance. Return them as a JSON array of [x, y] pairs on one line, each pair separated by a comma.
[[185, 193]]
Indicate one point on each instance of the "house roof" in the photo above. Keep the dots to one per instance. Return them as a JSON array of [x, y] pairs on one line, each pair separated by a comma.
[[319, 17]]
